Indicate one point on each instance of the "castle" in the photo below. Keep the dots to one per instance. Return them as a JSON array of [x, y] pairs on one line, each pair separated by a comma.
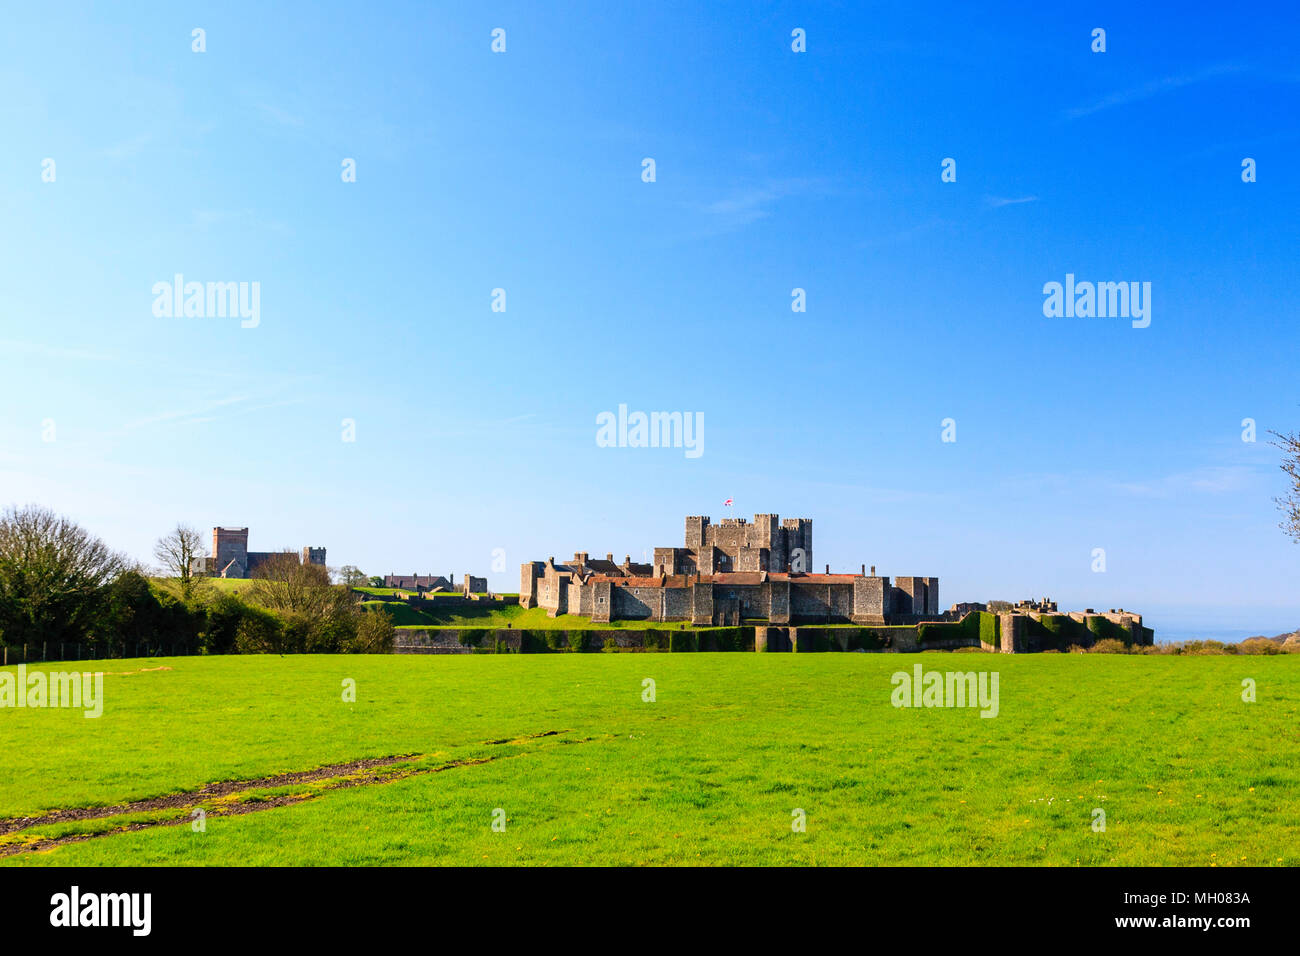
[[231, 558], [725, 574]]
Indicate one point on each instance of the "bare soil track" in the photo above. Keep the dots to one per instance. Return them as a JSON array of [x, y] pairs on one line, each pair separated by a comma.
[[222, 798]]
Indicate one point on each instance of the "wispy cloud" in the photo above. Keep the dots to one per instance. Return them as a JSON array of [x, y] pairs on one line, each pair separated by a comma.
[[185, 415], [1214, 479], [997, 202], [753, 203], [1146, 91]]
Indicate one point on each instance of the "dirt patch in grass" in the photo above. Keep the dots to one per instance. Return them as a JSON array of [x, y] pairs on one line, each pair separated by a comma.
[[190, 798], [223, 799]]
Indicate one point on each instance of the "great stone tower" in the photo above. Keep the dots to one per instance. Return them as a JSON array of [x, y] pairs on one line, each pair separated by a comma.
[[769, 544]]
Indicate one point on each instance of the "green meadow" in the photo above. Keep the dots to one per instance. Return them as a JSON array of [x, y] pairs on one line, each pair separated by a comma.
[[564, 753]]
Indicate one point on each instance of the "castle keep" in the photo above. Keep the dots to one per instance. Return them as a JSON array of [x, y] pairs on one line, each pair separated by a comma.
[[231, 558], [769, 544], [724, 574]]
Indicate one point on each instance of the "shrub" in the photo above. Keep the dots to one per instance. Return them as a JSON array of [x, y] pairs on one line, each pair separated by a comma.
[[1259, 645], [221, 624], [374, 634], [577, 641], [259, 632], [1110, 645], [136, 615], [611, 645]]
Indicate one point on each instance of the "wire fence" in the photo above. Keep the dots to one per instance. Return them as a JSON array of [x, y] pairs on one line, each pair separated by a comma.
[[62, 651]]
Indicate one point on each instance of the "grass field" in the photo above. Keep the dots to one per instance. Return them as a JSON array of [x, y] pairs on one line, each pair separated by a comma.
[[710, 772], [220, 585]]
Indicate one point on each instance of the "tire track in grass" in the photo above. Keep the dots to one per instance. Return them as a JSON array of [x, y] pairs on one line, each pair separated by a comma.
[[223, 799]]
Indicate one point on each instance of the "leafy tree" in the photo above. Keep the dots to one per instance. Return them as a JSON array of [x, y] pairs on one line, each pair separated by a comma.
[[351, 576], [313, 615], [259, 632], [374, 635], [136, 617], [54, 577]]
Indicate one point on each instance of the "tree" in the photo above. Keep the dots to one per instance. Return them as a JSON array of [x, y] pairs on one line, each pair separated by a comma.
[[375, 634], [54, 577], [136, 618], [309, 614], [376, 581], [283, 583], [351, 576], [1290, 502], [176, 551]]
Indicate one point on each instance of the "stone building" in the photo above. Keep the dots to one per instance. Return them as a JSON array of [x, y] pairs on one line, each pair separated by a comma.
[[726, 574], [418, 582], [769, 544], [231, 558], [435, 583]]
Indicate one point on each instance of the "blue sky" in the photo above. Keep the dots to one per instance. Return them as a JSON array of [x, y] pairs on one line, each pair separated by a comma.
[[475, 430]]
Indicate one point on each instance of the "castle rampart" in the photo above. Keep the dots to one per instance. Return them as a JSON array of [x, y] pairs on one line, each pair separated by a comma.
[[724, 574]]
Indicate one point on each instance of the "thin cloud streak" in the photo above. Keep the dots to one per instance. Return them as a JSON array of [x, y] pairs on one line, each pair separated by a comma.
[[1154, 88]]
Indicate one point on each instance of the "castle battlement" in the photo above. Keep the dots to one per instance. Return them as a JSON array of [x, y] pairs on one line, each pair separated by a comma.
[[231, 558], [723, 574]]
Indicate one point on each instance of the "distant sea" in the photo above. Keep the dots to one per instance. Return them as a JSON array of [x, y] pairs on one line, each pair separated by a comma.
[[1228, 635], [1217, 626]]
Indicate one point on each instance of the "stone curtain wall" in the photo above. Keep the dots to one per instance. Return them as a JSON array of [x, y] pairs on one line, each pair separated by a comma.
[[1007, 633]]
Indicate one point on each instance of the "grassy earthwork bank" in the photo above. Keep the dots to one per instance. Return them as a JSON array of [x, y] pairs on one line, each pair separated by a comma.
[[585, 769], [433, 613]]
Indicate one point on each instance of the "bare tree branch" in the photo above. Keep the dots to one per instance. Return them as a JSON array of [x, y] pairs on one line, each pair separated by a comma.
[[176, 552], [1290, 502]]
